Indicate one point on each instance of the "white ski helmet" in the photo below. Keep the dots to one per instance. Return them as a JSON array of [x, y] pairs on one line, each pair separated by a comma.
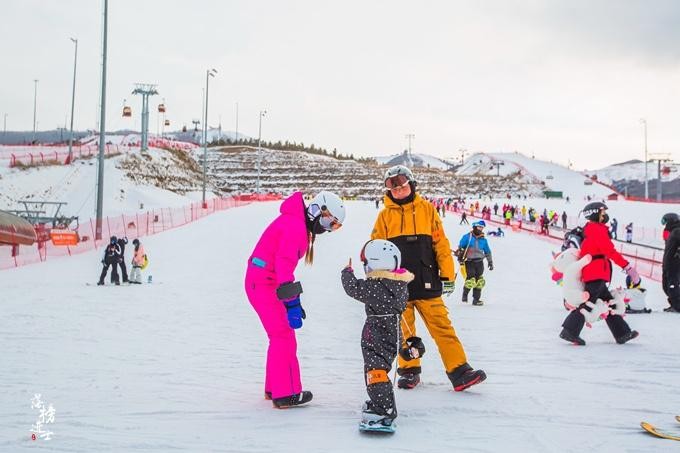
[[329, 203], [380, 254]]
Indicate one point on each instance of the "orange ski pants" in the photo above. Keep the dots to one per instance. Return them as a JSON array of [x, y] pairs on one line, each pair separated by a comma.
[[435, 315]]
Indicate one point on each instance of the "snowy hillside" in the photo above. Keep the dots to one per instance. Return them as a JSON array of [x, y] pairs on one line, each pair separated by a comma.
[[132, 181], [235, 169], [635, 170], [178, 364], [414, 160], [553, 176]]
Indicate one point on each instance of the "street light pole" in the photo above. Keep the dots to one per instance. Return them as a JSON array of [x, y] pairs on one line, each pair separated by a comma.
[[208, 73], [35, 97], [102, 128], [259, 149], [236, 142], [4, 127], [73, 100], [410, 137], [644, 123]]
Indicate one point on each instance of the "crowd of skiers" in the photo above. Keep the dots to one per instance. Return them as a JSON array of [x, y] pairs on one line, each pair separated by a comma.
[[114, 257]]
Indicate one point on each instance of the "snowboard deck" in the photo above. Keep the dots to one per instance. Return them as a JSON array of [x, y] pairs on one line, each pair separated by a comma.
[[124, 284], [376, 429], [653, 430]]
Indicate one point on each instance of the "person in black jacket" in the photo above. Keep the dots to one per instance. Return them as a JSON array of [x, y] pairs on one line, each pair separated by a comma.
[[111, 257], [384, 293], [122, 242], [670, 276]]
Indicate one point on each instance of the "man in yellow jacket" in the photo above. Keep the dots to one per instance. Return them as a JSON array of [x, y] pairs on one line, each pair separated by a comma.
[[414, 226]]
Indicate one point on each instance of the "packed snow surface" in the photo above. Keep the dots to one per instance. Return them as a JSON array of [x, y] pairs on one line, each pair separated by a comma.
[[178, 364]]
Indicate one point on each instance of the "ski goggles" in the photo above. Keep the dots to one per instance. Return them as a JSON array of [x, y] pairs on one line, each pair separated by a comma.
[[329, 222], [396, 182]]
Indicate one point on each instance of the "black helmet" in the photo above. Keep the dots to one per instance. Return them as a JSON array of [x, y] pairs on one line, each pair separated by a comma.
[[114, 239], [592, 211], [669, 219], [135, 242]]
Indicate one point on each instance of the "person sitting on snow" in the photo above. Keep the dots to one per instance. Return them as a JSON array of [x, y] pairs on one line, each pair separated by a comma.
[[498, 233], [384, 293]]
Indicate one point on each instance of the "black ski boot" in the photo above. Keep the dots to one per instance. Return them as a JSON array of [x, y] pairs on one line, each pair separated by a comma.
[[464, 376], [293, 400], [477, 302], [627, 337], [671, 310], [100, 283], [408, 380], [571, 338]]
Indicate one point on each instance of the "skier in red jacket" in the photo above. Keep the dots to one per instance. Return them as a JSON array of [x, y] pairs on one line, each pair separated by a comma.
[[597, 276]]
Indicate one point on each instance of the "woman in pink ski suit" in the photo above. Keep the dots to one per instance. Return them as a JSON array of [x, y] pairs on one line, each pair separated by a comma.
[[272, 291]]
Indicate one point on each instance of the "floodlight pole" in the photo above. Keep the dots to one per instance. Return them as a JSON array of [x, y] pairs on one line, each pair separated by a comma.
[[236, 140], [410, 137], [259, 149], [208, 73], [35, 99], [102, 129], [73, 101], [644, 123]]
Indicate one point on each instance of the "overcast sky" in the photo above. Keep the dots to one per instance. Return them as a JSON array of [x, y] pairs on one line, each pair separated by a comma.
[[564, 80]]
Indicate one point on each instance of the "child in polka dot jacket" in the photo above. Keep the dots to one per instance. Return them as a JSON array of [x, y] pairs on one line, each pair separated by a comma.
[[384, 293]]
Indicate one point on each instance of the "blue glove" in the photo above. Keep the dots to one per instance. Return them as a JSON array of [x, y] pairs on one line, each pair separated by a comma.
[[295, 312]]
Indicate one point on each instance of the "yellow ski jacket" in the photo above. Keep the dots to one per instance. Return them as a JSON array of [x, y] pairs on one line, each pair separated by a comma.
[[417, 230]]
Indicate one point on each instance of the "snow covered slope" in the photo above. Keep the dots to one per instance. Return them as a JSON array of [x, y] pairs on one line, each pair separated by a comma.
[[130, 181], [414, 160], [635, 170], [555, 177], [178, 364]]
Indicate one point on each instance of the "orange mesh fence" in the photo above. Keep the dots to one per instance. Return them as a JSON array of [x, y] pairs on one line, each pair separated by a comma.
[[646, 259], [130, 225]]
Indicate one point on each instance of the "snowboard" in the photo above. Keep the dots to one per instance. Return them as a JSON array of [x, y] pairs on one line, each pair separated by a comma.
[[653, 430], [125, 284], [376, 428]]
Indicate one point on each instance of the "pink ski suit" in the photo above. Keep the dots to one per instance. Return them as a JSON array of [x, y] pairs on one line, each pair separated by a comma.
[[272, 263]]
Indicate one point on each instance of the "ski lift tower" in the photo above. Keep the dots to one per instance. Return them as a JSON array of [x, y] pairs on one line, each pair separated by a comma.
[[659, 158], [146, 90], [497, 163]]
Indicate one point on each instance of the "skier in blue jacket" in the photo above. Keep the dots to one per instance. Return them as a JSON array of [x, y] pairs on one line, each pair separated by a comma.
[[472, 249]]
